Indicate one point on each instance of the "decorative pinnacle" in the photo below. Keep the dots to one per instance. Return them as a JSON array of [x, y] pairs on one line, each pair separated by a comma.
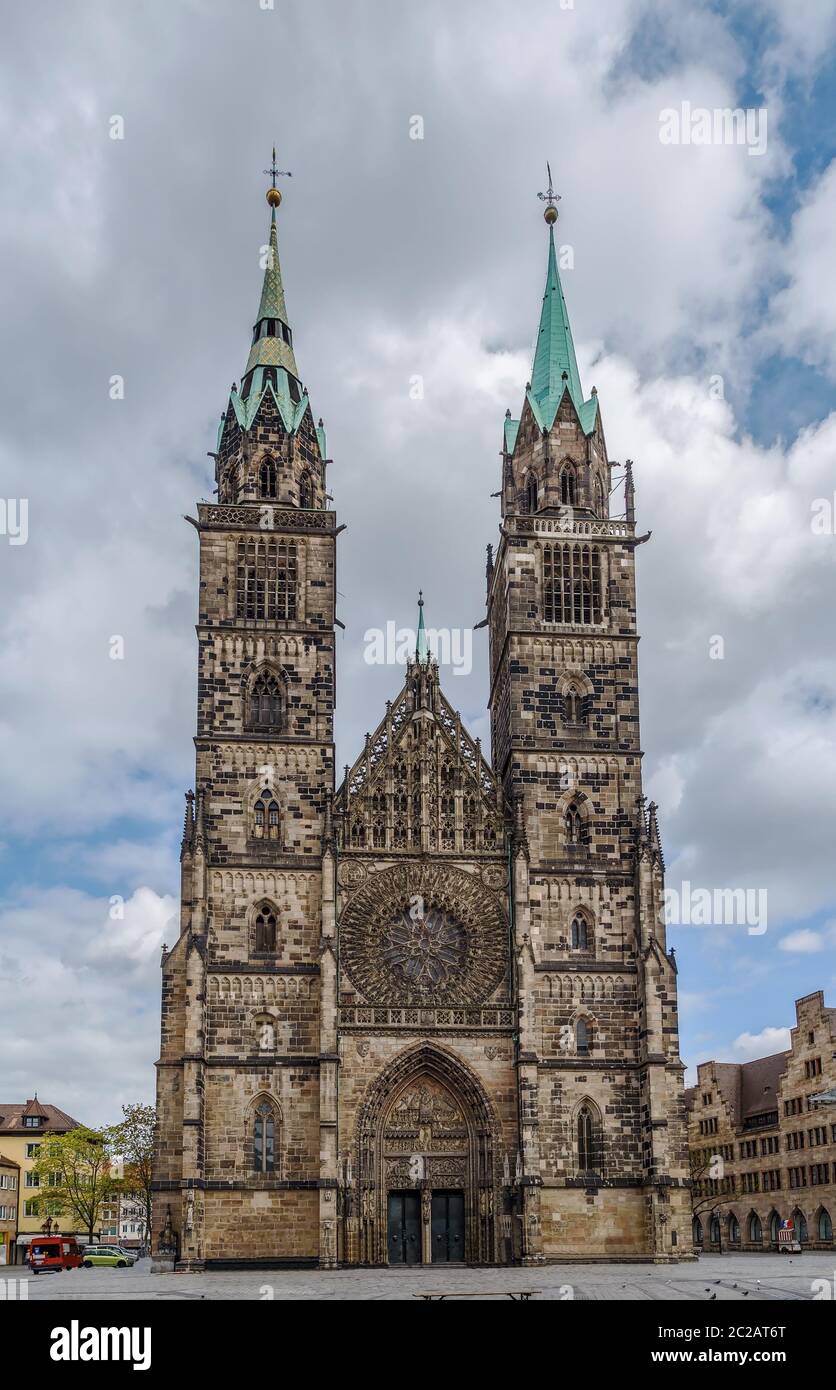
[[550, 198], [273, 195], [422, 650]]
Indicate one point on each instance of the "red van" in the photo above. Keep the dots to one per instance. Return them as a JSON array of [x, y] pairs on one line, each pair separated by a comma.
[[53, 1252]]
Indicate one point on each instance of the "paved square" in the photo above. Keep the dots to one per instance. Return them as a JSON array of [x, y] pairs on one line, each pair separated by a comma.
[[742, 1278]]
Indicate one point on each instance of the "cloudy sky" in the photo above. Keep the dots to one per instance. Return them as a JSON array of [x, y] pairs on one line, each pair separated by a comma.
[[702, 299]]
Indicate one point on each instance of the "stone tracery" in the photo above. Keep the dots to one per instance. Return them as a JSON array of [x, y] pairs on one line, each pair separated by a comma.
[[423, 933]]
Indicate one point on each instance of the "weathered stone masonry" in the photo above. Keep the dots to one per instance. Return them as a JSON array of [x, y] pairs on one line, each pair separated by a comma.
[[428, 1014]]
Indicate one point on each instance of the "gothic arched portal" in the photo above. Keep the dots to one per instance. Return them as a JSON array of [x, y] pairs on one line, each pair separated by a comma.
[[426, 1129]]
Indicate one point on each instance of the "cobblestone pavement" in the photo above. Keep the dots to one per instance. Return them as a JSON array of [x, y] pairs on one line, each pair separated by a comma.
[[743, 1278]]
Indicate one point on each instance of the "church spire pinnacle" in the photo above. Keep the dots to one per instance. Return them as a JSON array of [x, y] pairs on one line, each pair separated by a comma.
[[272, 344], [555, 365], [271, 374], [550, 198], [422, 650], [555, 370]]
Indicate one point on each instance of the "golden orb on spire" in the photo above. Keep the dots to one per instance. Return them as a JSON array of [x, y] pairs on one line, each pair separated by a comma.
[[274, 197], [551, 199]]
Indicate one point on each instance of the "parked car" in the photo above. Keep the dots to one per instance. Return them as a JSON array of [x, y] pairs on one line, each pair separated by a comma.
[[48, 1253], [130, 1255], [105, 1255]]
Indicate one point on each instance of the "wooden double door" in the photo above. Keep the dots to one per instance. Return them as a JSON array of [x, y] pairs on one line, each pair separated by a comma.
[[407, 1244]]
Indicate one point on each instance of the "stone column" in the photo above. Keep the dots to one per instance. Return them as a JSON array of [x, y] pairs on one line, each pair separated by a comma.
[[328, 1064]]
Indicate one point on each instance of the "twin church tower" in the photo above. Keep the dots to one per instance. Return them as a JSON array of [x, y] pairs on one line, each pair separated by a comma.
[[427, 1015]]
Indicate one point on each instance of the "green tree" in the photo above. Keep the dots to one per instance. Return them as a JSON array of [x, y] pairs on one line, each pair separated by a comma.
[[133, 1140], [74, 1175]]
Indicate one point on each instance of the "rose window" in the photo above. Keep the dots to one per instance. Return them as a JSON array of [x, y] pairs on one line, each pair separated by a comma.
[[424, 950]]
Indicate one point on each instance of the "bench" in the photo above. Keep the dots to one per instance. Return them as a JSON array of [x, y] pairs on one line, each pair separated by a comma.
[[517, 1295]]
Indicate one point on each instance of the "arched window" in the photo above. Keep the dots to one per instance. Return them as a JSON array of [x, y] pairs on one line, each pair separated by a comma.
[[267, 478], [825, 1225], [755, 1229], [574, 824], [264, 1138], [305, 490], [265, 705], [572, 705], [580, 933], [774, 1227], [800, 1223], [714, 1229], [266, 1035], [568, 485], [734, 1229], [265, 928], [266, 817], [583, 1038], [696, 1230], [589, 1156], [531, 493]]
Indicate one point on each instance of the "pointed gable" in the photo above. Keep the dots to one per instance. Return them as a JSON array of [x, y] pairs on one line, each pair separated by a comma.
[[34, 1110], [421, 783]]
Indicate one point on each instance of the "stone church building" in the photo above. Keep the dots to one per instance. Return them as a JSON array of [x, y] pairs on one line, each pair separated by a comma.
[[427, 1014]]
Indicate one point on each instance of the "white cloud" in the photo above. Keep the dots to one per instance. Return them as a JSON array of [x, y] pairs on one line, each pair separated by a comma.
[[135, 931], [749, 1046], [804, 32], [79, 997], [807, 942], [803, 315]]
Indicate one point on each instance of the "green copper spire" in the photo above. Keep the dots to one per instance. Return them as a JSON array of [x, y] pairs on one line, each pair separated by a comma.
[[271, 370], [555, 365], [422, 650], [272, 340], [272, 304], [555, 369]]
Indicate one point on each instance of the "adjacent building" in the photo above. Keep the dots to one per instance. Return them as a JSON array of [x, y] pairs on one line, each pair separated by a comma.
[[22, 1130], [427, 1014], [762, 1139], [123, 1222], [9, 1197]]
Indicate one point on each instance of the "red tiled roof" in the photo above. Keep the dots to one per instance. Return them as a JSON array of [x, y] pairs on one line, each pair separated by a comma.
[[58, 1121], [34, 1107]]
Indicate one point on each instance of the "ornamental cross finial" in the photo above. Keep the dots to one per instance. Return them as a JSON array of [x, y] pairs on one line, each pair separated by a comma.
[[550, 198], [277, 173]]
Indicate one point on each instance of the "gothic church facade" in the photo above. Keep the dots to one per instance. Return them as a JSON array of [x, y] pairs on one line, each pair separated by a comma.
[[427, 1015]]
